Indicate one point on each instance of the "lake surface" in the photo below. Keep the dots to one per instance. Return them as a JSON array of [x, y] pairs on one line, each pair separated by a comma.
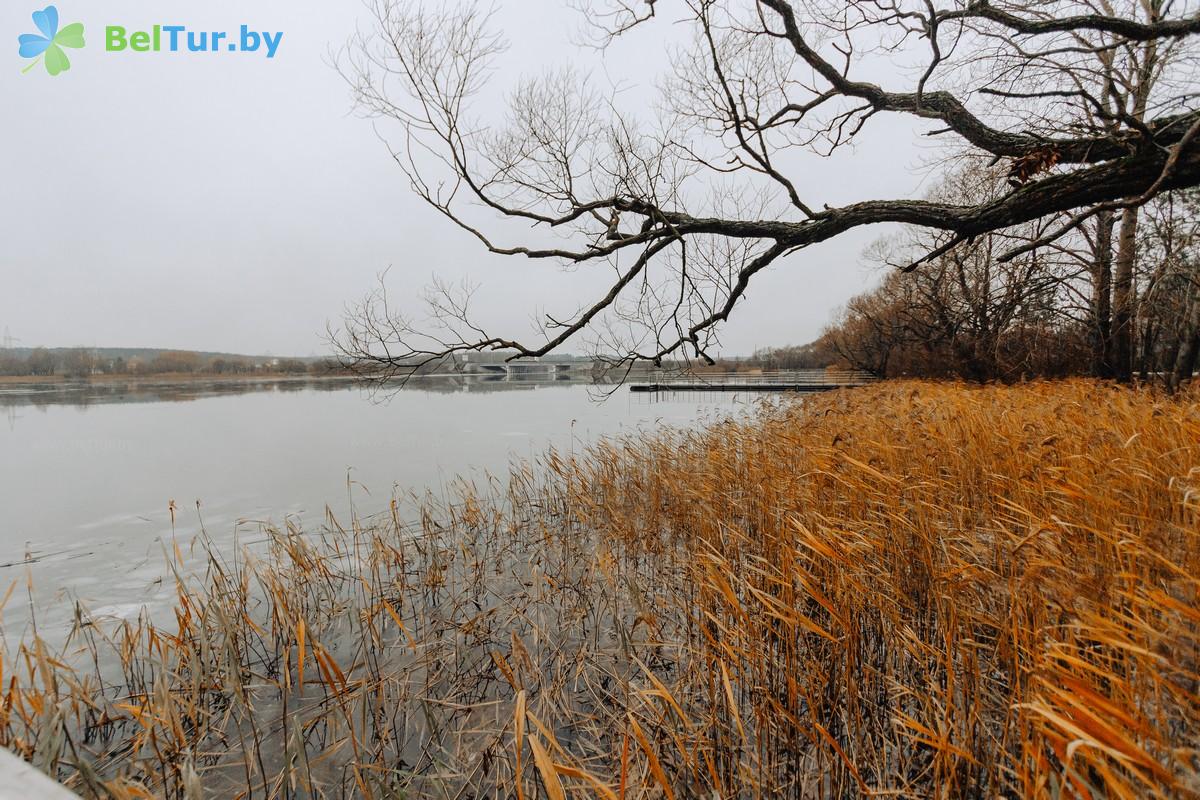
[[88, 473]]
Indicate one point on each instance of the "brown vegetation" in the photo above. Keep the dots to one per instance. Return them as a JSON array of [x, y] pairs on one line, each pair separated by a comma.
[[911, 589]]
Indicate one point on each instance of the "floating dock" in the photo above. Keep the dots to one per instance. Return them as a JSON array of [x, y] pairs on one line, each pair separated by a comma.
[[735, 387], [792, 381]]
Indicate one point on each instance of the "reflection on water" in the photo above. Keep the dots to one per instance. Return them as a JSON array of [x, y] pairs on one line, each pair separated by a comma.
[[82, 395], [88, 472]]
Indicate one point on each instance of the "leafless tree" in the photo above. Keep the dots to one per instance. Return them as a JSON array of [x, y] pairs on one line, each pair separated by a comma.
[[79, 362], [965, 312], [1168, 281], [965, 305], [1125, 83], [1074, 99], [873, 327]]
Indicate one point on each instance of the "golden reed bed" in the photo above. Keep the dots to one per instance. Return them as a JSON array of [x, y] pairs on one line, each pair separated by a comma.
[[907, 590]]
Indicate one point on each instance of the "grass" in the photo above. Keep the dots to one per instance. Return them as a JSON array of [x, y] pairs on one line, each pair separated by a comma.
[[907, 590]]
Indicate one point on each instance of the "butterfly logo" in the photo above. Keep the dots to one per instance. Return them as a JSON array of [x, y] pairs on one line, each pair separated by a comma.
[[48, 45]]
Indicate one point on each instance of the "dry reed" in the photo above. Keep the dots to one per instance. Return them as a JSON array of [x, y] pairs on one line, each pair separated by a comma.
[[908, 590]]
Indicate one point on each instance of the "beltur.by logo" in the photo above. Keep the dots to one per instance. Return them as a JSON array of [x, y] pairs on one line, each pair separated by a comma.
[[177, 38], [47, 47]]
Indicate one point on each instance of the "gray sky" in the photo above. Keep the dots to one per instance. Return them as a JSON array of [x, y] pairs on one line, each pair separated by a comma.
[[227, 202]]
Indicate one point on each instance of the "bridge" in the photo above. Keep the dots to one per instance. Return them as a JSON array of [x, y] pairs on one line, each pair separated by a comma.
[[521, 368], [518, 370]]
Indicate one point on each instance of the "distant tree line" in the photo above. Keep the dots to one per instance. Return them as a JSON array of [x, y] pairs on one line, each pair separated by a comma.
[[1118, 298], [84, 362]]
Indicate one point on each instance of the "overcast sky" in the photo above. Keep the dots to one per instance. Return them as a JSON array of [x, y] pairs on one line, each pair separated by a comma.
[[228, 202]]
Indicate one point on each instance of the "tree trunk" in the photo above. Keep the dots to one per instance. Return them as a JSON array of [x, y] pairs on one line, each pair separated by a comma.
[[1145, 352], [1124, 297], [1185, 359], [1124, 287], [1101, 310], [1185, 366]]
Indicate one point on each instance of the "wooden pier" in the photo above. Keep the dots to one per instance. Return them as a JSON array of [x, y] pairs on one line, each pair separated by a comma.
[[817, 380]]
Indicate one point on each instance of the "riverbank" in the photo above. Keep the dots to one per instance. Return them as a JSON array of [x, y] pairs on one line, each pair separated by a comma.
[[907, 588]]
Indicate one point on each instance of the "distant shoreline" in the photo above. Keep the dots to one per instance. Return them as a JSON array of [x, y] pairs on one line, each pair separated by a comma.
[[166, 377]]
